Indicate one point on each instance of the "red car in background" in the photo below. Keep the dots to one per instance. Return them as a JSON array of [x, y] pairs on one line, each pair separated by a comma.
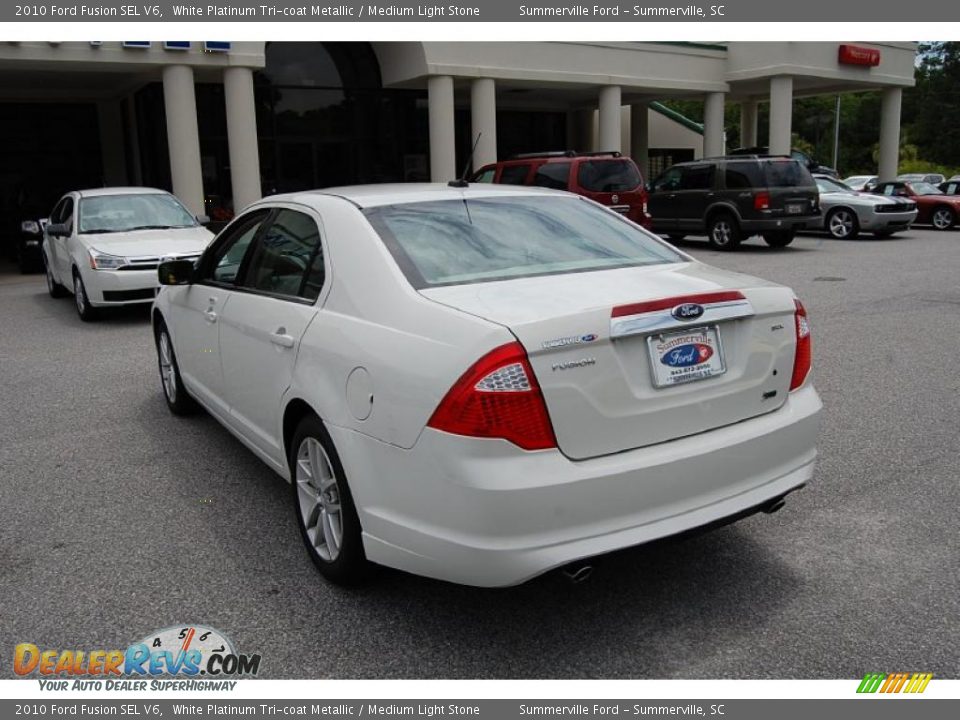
[[933, 206], [606, 177]]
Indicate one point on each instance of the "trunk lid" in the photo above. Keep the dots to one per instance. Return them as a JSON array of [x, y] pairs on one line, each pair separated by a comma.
[[589, 337]]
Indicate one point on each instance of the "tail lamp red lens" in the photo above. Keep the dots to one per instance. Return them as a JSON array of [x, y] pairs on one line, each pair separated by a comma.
[[761, 201], [803, 358], [498, 397]]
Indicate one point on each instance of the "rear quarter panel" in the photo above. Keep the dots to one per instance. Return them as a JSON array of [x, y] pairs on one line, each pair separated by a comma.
[[411, 349]]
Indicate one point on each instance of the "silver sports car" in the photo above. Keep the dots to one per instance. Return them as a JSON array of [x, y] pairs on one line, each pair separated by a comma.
[[845, 213]]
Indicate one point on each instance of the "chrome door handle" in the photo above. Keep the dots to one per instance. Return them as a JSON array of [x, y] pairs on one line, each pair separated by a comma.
[[211, 316], [281, 338]]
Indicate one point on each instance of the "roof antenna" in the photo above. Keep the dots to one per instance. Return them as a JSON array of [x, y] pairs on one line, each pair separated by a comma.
[[461, 182]]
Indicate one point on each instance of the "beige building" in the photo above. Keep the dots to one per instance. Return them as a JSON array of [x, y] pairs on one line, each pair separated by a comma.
[[222, 123]]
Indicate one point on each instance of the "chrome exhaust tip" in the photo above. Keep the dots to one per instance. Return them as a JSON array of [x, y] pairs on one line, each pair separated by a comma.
[[577, 573], [774, 505]]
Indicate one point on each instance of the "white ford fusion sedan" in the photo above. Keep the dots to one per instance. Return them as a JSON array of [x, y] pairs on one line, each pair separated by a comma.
[[104, 245], [480, 384]]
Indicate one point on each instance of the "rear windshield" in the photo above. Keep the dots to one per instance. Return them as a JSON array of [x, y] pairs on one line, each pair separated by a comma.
[[787, 173], [453, 242], [608, 175]]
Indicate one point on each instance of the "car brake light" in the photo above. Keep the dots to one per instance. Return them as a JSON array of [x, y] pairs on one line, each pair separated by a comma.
[[498, 397], [803, 358], [761, 201]]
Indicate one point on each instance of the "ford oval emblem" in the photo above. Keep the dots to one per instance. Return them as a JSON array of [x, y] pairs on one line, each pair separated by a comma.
[[687, 355], [687, 311]]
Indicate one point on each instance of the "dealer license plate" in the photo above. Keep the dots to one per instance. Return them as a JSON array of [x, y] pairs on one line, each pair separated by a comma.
[[682, 357], [794, 208]]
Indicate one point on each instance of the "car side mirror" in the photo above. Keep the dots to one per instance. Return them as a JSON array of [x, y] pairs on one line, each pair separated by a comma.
[[203, 219], [175, 272], [30, 227], [57, 230]]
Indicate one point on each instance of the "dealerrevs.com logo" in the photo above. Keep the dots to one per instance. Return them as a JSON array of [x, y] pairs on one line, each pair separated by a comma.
[[180, 657]]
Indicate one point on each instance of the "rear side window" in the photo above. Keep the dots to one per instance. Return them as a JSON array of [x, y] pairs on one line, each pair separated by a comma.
[[514, 174], [741, 176], [455, 242], [485, 176], [552, 175], [287, 259], [786, 173], [697, 177], [608, 175]]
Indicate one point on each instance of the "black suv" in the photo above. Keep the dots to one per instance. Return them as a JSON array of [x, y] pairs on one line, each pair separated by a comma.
[[730, 198]]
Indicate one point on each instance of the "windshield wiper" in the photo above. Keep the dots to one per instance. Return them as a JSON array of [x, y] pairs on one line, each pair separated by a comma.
[[153, 227], [98, 231]]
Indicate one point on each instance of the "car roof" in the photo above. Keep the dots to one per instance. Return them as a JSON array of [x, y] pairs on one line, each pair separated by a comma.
[[96, 192], [365, 196]]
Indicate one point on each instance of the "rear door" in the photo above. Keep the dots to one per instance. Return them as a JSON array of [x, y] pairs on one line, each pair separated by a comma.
[[262, 325], [740, 181]]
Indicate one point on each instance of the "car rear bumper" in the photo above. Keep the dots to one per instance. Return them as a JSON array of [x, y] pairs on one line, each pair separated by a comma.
[[483, 512], [120, 287], [784, 222]]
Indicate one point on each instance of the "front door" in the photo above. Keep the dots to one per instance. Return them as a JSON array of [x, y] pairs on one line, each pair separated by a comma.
[[662, 200], [696, 192], [196, 310], [261, 328]]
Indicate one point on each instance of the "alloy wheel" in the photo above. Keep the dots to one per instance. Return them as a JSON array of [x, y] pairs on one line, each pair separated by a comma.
[[318, 495], [841, 224], [722, 232], [942, 219], [168, 373], [79, 294]]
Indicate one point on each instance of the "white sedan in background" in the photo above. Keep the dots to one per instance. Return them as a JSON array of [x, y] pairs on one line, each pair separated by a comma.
[[104, 245], [483, 383]]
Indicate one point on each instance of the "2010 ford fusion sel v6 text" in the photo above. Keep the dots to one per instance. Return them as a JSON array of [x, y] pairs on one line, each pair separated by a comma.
[[480, 384]]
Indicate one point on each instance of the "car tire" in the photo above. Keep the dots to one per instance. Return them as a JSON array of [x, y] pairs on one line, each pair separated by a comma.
[[55, 289], [723, 231], [178, 399], [842, 224], [85, 310], [943, 218], [779, 238], [325, 512]]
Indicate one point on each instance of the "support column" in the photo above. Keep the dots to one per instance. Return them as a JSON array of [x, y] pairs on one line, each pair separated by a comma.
[[713, 139], [781, 114], [609, 121], [889, 160], [748, 123], [483, 121], [640, 137], [242, 136], [183, 138], [443, 156], [112, 147]]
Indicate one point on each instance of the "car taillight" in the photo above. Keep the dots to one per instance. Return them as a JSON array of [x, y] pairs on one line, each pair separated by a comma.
[[498, 397], [761, 201], [803, 358]]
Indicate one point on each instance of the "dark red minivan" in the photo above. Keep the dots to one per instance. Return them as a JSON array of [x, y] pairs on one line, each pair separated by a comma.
[[606, 177]]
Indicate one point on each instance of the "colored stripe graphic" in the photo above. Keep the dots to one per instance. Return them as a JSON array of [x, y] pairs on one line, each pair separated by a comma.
[[871, 682], [894, 682]]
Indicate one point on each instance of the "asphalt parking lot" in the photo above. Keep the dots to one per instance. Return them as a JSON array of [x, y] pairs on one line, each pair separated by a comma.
[[117, 519]]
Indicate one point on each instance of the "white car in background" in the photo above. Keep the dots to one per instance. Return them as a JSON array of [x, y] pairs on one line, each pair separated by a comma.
[[483, 383], [104, 245], [861, 183], [845, 213]]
